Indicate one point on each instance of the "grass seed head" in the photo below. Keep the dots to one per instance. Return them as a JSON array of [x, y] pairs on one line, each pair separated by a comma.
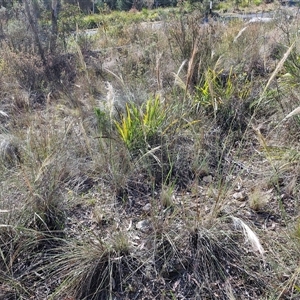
[[250, 236]]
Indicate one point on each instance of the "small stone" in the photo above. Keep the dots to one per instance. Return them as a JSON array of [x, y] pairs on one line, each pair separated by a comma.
[[147, 208], [207, 179], [240, 196], [144, 226], [230, 177]]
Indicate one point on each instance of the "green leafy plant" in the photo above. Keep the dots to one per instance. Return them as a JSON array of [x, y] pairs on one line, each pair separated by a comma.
[[103, 121], [215, 88], [139, 125], [227, 97]]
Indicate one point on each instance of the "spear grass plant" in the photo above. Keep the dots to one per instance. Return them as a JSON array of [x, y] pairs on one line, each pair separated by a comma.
[[139, 126], [213, 91], [221, 92]]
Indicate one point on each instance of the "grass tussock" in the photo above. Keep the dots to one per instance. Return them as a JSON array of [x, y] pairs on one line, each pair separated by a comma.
[[154, 161]]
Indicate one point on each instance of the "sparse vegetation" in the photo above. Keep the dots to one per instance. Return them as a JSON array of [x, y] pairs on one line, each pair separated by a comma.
[[149, 154]]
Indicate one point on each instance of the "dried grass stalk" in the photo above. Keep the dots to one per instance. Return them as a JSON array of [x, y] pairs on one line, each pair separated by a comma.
[[110, 99], [295, 112], [239, 34], [279, 66], [191, 65]]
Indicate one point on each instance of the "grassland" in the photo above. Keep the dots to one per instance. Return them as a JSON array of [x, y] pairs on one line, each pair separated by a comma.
[[151, 160]]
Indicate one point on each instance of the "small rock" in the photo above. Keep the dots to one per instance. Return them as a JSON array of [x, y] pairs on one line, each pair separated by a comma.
[[230, 177], [240, 196], [144, 226], [147, 208], [207, 179]]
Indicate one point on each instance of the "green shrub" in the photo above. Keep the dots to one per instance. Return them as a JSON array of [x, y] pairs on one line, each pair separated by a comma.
[[257, 2]]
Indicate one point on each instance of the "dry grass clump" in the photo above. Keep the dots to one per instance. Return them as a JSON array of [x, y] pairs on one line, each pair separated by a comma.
[[93, 270], [10, 153], [217, 260], [258, 199], [199, 264]]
